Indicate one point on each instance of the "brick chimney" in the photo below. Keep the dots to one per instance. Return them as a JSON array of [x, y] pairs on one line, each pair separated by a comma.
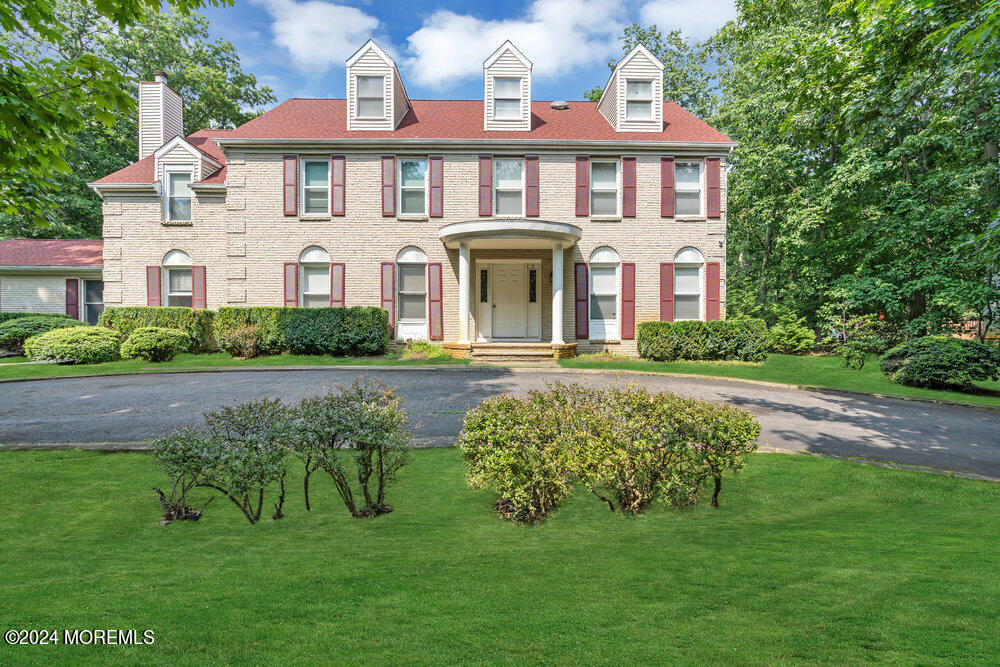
[[161, 114]]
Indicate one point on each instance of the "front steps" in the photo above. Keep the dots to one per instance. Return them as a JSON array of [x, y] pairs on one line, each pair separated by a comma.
[[495, 352]]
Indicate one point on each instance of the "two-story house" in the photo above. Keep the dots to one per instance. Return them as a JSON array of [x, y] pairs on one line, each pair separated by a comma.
[[472, 222]]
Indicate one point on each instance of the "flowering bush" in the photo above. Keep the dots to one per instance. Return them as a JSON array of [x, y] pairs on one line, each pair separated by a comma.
[[241, 343]]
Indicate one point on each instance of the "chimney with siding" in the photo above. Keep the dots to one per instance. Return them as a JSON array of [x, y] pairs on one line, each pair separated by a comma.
[[161, 114]]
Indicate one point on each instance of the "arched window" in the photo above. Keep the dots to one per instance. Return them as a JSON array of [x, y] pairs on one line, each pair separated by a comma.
[[689, 265], [177, 278], [314, 277], [604, 282], [411, 293]]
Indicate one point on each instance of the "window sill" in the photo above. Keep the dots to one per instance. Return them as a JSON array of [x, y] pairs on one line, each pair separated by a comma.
[[413, 217], [606, 218], [177, 223], [313, 218], [691, 218], [604, 340], [510, 217]]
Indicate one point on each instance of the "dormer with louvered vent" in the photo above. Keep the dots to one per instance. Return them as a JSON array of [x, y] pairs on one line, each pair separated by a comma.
[[507, 90], [376, 98], [633, 97]]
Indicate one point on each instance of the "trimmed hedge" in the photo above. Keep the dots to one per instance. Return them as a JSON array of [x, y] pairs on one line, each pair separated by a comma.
[[14, 332], [5, 317], [740, 340], [155, 344], [353, 331], [197, 324], [941, 361], [75, 345]]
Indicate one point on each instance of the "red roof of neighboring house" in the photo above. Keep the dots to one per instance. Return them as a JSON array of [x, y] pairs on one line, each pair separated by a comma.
[[51, 252], [142, 171]]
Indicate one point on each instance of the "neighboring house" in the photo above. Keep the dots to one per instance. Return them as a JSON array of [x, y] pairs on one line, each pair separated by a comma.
[[470, 221], [52, 276]]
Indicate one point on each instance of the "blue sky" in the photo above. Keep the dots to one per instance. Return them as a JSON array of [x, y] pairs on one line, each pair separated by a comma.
[[298, 47]]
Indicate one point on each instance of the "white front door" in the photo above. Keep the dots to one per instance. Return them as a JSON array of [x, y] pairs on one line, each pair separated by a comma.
[[509, 302]]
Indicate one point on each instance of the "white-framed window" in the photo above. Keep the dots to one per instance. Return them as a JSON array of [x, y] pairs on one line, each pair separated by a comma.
[[638, 99], [371, 96], [411, 293], [177, 207], [93, 300], [604, 297], [314, 277], [507, 98], [508, 186], [688, 193], [689, 280], [177, 282], [412, 186], [315, 187], [604, 197]]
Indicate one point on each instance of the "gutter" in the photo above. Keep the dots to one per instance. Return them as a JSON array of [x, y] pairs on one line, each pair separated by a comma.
[[47, 268], [100, 188], [479, 144]]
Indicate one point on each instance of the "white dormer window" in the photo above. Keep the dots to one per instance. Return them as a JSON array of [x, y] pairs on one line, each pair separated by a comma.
[[509, 187], [178, 204], [316, 187], [638, 99], [507, 98], [371, 97]]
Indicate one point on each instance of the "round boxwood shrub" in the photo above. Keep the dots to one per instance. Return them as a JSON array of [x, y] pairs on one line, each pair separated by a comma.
[[14, 332], [941, 361], [155, 344], [75, 345]]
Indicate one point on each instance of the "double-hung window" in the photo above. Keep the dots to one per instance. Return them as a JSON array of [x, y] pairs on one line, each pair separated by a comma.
[[508, 184], [687, 189], [506, 98], [371, 97], [638, 99], [412, 292], [604, 302], [178, 207], [315, 187], [413, 187], [604, 188], [93, 300], [687, 292], [315, 285], [179, 286]]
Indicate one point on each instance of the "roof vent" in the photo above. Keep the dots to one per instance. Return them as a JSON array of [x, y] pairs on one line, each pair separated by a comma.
[[560, 105]]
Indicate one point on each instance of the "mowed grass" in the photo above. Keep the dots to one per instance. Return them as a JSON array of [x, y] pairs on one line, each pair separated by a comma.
[[820, 371], [9, 369], [806, 560]]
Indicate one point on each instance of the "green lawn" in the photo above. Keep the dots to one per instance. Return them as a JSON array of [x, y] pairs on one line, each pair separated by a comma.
[[214, 360], [806, 560], [821, 371]]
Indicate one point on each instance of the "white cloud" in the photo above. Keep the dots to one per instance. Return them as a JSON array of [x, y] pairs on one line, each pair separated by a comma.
[[556, 35], [695, 18], [318, 34]]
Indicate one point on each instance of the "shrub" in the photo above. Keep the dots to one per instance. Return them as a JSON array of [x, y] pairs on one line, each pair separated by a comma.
[[7, 316], [14, 332], [75, 345], [197, 324], [366, 422], [155, 344], [790, 335], [741, 340], [357, 330], [186, 460], [241, 343], [941, 361]]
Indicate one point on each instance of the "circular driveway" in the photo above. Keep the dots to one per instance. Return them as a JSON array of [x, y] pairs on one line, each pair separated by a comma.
[[138, 407]]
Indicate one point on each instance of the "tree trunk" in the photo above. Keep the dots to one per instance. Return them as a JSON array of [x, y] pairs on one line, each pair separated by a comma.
[[715, 494], [281, 499]]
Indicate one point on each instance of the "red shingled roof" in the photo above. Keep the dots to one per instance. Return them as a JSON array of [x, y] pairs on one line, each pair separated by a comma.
[[51, 252], [142, 171], [463, 119]]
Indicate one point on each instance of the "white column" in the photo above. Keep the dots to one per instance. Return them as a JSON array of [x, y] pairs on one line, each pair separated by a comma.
[[463, 292], [557, 294]]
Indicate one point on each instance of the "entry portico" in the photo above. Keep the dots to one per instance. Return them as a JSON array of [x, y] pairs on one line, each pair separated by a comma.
[[508, 308]]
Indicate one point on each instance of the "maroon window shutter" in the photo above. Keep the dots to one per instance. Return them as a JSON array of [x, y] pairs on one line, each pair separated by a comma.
[[388, 185], [152, 286], [485, 185], [291, 284], [581, 310], [337, 285], [667, 188], [628, 187], [531, 208], [437, 187], [628, 301], [389, 294], [712, 290], [73, 298], [434, 298], [714, 181], [582, 185], [291, 187], [338, 181], [198, 287], [667, 292]]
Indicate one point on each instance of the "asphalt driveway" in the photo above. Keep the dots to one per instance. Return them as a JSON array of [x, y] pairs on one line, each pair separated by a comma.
[[134, 408]]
